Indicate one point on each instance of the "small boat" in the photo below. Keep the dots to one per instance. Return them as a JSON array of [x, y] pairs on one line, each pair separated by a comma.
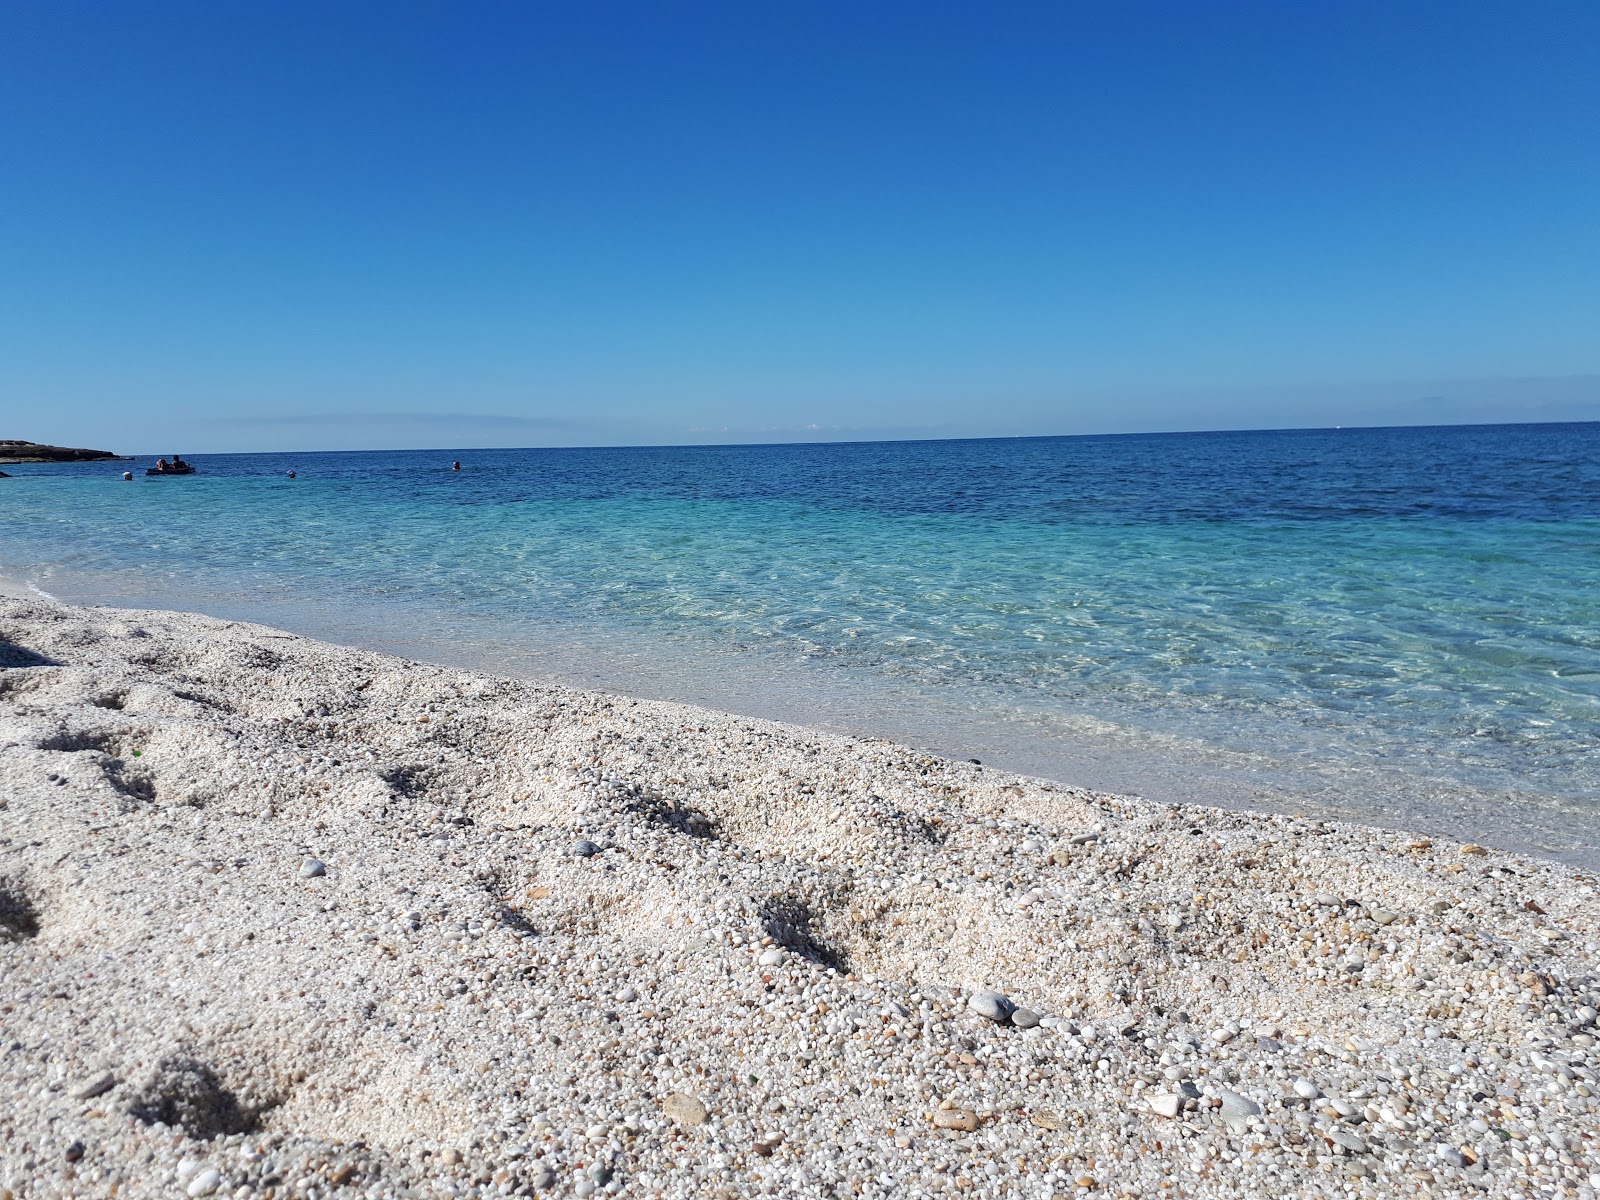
[[186, 469]]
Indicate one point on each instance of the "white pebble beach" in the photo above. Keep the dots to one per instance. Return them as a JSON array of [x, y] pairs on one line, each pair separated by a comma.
[[284, 919]]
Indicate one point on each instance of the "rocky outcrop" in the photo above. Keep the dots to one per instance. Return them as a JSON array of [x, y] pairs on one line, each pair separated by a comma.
[[13, 450]]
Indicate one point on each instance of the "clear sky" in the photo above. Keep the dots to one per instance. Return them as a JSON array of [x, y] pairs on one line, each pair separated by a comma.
[[232, 226]]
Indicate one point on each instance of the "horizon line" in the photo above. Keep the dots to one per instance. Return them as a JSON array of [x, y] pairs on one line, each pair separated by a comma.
[[869, 441]]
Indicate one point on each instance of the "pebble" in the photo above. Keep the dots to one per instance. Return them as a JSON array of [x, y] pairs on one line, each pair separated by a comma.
[[683, 1109], [1236, 1109], [1306, 1090], [1024, 1018], [956, 1118], [627, 995], [1165, 1104], [98, 1086], [584, 848], [991, 1005], [1346, 1139], [772, 957], [542, 1179], [205, 1182], [312, 868], [1384, 916]]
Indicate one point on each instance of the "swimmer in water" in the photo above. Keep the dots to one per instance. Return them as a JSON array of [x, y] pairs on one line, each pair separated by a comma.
[[291, 474], [456, 466]]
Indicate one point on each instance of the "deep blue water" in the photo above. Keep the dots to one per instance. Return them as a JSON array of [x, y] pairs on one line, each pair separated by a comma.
[[1400, 625]]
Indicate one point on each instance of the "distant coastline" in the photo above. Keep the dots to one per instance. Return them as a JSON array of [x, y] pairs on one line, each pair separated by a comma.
[[15, 450]]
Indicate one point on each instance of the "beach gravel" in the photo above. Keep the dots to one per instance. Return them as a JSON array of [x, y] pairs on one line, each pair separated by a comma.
[[565, 943]]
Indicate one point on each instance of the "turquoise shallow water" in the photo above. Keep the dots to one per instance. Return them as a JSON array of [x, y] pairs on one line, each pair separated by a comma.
[[1395, 625]]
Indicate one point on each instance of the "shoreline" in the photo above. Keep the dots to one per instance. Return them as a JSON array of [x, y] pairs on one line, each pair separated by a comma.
[[284, 912], [1075, 748]]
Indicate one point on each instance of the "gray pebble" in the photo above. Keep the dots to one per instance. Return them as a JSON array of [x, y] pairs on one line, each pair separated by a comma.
[[584, 848], [1346, 1139], [98, 1086], [992, 1005], [1024, 1018], [311, 868]]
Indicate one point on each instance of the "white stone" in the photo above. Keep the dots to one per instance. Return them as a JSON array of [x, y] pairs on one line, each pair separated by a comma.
[[772, 957], [1306, 1090], [1165, 1104], [204, 1183], [311, 868], [1236, 1109]]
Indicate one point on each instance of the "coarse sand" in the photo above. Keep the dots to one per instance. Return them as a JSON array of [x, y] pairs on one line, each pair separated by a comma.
[[279, 918]]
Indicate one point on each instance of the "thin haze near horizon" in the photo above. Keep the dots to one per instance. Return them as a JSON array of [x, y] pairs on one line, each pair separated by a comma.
[[306, 226]]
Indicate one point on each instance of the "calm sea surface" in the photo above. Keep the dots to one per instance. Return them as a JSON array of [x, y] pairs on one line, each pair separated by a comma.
[[1396, 625]]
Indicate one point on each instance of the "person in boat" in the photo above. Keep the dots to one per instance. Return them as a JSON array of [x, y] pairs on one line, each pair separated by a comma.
[[161, 464], [177, 463]]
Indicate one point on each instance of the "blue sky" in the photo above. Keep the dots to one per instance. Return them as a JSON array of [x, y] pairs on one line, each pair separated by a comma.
[[231, 226]]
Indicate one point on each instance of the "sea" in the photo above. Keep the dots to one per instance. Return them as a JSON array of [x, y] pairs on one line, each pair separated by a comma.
[[1394, 626]]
